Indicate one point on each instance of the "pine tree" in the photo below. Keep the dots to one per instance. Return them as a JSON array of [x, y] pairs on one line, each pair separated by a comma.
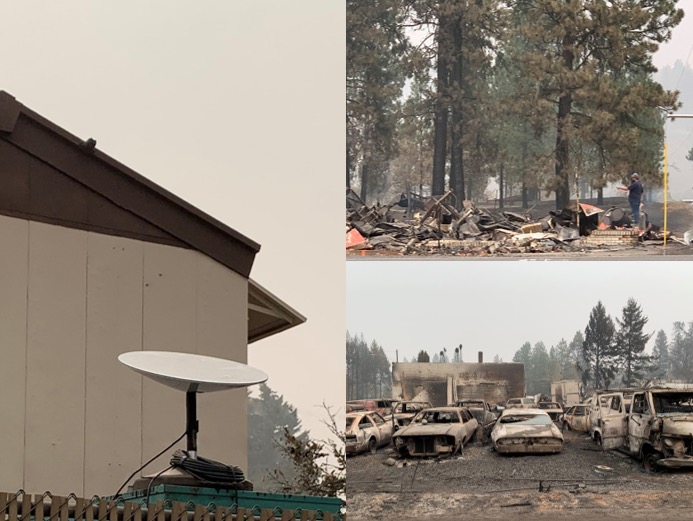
[[598, 349], [410, 170], [563, 366], [269, 417], [681, 352], [375, 46], [459, 55], [367, 369], [423, 357], [577, 360], [590, 63], [660, 356], [524, 356], [382, 380], [539, 380], [630, 344]]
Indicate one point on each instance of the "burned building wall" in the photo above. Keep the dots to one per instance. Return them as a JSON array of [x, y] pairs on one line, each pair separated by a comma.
[[444, 383]]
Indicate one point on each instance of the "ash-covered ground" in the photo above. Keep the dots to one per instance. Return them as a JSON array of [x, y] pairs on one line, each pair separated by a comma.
[[581, 481]]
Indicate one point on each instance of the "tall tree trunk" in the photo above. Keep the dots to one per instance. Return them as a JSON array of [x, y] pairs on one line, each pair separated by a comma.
[[456, 156], [525, 189], [525, 202], [600, 196], [440, 128], [501, 193], [562, 152], [348, 169], [365, 174], [565, 103]]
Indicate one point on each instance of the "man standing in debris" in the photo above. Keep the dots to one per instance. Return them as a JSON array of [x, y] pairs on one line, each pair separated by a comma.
[[635, 191]]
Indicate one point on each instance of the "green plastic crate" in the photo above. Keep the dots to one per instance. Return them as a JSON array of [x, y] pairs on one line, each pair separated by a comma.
[[241, 498]]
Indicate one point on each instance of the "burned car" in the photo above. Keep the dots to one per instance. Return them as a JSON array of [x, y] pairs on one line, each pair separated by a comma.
[[484, 414], [382, 406], [576, 418], [366, 431], [436, 431], [526, 431], [403, 412], [553, 409], [480, 409], [520, 403], [658, 429], [355, 407]]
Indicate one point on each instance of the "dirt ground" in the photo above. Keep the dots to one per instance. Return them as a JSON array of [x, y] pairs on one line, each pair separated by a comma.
[[583, 481], [679, 220]]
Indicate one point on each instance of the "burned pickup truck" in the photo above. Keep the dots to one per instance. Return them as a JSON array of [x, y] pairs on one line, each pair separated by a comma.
[[658, 429]]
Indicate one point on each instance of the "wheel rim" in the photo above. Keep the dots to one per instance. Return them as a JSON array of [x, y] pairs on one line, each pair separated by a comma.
[[650, 462], [372, 445]]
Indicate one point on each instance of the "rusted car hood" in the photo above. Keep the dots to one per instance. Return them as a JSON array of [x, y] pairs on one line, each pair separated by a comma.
[[677, 424], [525, 431], [431, 429]]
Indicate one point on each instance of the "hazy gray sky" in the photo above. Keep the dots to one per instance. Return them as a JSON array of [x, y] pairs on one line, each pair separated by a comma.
[[680, 45], [679, 134], [496, 306], [238, 108]]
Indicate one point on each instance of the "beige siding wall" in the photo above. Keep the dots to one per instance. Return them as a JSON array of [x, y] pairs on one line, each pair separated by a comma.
[[71, 302], [55, 358], [114, 325], [14, 265]]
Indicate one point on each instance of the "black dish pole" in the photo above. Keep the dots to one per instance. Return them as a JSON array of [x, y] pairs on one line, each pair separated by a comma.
[[191, 425]]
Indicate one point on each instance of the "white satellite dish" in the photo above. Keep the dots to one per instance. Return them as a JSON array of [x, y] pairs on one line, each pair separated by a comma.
[[192, 374]]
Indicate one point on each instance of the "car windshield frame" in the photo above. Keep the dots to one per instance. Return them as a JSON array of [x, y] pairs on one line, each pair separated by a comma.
[[526, 419], [435, 417]]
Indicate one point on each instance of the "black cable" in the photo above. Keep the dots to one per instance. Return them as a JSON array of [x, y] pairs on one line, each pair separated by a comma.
[[143, 466], [151, 481], [206, 469]]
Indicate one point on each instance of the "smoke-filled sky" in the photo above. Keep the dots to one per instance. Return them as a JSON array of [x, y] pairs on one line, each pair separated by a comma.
[[496, 306], [679, 134], [236, 107], [680, 45]]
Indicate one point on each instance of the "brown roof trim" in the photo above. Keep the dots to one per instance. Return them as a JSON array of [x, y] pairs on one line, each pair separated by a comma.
[[267, 314], [80, 161]]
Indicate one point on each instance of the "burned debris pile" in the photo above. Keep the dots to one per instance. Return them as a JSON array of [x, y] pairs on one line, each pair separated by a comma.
[[414, 226]]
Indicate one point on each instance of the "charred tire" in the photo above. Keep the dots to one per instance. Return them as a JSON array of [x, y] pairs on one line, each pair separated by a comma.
[[566, 427], [598, 438], [403, 451], [372, 446], [649, 461]]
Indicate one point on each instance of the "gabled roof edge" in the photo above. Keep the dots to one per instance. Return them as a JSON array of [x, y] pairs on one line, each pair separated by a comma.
[[123, 186]]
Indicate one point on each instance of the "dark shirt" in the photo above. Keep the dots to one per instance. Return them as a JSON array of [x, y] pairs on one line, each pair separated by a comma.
[[635, 191]]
